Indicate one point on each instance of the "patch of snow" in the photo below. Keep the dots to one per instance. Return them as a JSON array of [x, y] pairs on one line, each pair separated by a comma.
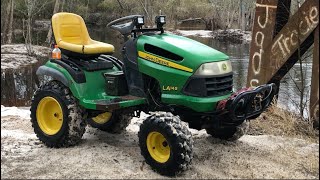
[[134, 126], [21, 49], [22, 112], [17, 134], [14, 56], [270, 142], [245, 36], [265, 142], [198, 134], [308, 149], [42, 24], [199, 33], [233, 33], [15, 61]]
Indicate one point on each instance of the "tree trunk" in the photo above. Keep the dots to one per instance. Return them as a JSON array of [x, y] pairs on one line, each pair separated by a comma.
[[9, 40], [27, 35], [55, 10], [62, 5], [240, 15], [5, 25], [87, 7], [243, 21]]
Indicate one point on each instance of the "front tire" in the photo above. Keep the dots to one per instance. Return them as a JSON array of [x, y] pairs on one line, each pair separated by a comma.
[[166, 144], [229, 133], [56, 116]]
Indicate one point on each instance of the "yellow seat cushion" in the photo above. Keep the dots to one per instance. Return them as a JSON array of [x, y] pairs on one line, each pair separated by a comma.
[[70, 33]]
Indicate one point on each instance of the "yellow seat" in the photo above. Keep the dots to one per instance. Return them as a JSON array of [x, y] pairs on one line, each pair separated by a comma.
[[71, 34]]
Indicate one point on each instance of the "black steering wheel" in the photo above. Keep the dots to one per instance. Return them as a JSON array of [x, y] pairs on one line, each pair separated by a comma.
[[122, 25]]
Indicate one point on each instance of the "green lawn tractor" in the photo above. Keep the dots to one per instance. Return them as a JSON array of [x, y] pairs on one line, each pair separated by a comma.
[[179, 82]]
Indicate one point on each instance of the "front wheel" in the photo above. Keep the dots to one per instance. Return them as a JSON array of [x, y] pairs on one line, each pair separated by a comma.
[[229, 133], [166, 144]]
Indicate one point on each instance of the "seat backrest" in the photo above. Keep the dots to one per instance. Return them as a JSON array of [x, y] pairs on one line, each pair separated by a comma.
[[70, 28]]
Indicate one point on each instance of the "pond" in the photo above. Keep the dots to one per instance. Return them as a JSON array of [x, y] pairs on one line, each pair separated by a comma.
[[18, 85]]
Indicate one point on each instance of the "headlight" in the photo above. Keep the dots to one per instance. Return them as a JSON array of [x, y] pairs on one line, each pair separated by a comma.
[[214, 68], [139, 22], [160, 21]]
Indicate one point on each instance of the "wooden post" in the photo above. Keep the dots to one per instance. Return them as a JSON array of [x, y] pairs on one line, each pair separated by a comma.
[[262, 33], [314, 96]]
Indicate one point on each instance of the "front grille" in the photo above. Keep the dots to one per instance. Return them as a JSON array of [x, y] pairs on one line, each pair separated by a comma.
[[209, 86], [219, 86]]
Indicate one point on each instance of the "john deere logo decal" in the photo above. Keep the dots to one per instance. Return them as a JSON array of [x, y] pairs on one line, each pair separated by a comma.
[[224, 66], [163, 62]]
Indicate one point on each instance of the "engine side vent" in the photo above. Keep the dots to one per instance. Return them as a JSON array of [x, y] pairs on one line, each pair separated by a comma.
[[162, 52]]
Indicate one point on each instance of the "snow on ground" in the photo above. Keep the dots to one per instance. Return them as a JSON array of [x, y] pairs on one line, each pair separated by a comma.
[[21, 49], [101, 155], [15, 61], [14, 111], [244, 35], [227, 34], [14, 56], [200, 33]]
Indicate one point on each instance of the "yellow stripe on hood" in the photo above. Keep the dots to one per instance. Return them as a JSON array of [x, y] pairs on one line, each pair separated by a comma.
[[162, 61]]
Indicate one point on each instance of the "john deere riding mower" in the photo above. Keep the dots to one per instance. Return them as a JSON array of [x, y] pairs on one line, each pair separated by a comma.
[[169, 77]]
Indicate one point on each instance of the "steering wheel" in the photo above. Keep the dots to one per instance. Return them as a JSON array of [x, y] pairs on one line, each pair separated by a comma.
[[122, 26]]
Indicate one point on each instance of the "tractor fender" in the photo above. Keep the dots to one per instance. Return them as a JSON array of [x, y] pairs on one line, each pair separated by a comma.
[[55, 74]]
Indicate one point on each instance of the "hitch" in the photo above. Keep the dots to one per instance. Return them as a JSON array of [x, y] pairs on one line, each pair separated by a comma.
[[248, 103]]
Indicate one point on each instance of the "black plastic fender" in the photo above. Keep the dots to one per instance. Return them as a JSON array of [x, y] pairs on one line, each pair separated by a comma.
[[55, 74]]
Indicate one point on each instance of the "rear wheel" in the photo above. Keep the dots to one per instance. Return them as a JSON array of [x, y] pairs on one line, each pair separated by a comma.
[[230, 133], [111, 122], [166, 144], [56, 116]]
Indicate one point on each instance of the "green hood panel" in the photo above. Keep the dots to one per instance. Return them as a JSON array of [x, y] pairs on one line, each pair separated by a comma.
[[193, 52], [173, 75]]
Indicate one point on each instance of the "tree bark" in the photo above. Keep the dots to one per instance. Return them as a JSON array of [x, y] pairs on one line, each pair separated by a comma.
[[62, 5], [87, 8], [9, 40], [5, 25], [55, 10], [240, 15]]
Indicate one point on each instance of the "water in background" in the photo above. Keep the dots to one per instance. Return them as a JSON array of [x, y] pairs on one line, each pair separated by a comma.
[[289, 94], [20, 84]]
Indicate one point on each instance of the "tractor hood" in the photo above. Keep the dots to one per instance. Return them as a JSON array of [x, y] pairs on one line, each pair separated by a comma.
[[192, 53]]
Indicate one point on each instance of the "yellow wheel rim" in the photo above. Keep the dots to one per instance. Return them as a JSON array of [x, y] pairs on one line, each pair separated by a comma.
[[158, 147], [102, 118], [49, 115]]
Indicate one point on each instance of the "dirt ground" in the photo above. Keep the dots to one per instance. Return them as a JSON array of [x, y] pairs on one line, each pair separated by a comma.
[[103, 155]]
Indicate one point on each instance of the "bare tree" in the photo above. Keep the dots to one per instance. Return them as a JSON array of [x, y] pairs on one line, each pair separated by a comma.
[[145, 6], [87, 8], [55, 10], [62, 5], [7, 27], [300, 83], [9, 40], [33, 7]]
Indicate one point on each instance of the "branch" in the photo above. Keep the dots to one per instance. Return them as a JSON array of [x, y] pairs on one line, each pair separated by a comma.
[[39, 9], [120, 4], [145, 10]]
